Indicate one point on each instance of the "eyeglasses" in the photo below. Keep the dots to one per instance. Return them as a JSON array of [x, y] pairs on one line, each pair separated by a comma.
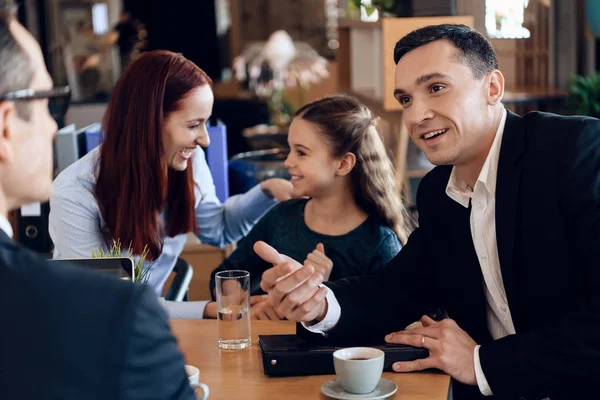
[[58, 98]]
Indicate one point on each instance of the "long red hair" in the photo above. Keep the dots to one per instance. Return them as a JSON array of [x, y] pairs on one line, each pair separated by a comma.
[[135, 184]]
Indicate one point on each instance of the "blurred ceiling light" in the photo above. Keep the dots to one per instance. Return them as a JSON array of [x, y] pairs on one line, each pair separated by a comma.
[[287, 63], [504, 19]]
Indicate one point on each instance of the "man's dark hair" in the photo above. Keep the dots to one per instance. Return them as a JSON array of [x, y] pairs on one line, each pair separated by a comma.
[[16, 71], [474, 49]]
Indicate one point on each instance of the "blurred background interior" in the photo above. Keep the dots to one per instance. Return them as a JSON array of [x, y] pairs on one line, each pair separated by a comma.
[[268, 57]]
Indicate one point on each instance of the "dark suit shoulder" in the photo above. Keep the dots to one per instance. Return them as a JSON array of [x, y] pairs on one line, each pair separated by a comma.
[[153, 366], [61, 294], [434, 182], [562, 139], [58, 309], [28, 272], [535, 117], [548, 127]]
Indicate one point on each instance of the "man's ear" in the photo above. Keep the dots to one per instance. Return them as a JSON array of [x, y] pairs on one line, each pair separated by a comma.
[[8, 119], [495, 87], [346, 163]]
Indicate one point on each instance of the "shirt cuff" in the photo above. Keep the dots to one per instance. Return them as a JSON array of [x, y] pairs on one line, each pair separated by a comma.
[[484, 387], [184, 309], [334, 312]]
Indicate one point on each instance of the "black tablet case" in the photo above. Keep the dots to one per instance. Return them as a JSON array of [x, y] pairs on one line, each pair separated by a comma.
[[290, 355]]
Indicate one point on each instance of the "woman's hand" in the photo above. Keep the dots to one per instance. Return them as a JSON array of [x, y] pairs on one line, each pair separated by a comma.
[[256, 303], [278, 189], [210, 311]]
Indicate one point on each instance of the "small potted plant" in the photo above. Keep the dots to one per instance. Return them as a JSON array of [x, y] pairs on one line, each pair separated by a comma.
[[140, 266], [584, 95], [385, 8]]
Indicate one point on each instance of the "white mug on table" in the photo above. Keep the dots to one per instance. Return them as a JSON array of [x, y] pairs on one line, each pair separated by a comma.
[[193, 374]]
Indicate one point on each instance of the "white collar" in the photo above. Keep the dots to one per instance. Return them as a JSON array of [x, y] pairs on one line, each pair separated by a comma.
[[6, 226], [459, 191]]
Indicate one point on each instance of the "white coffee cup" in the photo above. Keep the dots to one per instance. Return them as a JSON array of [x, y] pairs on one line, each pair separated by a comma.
[[358, 369], [193, 374]]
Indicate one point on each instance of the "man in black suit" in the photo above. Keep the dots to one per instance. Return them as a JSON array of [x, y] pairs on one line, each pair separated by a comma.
[[508, 239], [64, 332]]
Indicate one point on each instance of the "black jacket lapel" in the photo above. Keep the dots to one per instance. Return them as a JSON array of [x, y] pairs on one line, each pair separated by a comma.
[[507, 195]]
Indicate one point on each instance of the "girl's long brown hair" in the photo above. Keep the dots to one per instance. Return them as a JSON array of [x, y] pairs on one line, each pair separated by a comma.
[[350, 126]]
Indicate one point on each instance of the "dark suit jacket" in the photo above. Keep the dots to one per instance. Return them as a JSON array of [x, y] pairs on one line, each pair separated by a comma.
[[548, 236], [70, 333]]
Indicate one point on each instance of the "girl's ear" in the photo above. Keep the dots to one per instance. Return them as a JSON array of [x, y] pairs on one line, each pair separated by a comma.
[[346, 164]]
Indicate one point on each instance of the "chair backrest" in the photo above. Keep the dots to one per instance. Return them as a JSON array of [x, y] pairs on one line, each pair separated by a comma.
[[181, 282]]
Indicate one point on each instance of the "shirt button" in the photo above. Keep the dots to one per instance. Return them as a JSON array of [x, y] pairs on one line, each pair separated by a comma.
[[504, 309]]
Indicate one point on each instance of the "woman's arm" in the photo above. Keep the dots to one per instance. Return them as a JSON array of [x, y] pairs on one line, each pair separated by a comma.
[[221, 224], [74, 221], [186, 309]]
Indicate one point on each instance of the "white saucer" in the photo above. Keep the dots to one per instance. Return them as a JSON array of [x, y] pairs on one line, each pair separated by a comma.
[[383, 389]]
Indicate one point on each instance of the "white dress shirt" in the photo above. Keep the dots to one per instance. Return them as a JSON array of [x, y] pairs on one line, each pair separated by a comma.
[[483, 232], [5, 226]]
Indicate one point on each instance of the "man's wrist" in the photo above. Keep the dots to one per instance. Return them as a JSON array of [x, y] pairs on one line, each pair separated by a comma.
[[321, 316]]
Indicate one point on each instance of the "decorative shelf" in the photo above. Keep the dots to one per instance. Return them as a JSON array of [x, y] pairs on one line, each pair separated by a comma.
[[365, 56]]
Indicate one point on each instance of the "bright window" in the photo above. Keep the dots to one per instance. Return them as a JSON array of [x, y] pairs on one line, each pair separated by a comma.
[[504, 19], [100, 18]]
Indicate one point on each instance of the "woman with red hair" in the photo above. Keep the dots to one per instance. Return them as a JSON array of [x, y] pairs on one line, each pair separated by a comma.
[[148, 184]]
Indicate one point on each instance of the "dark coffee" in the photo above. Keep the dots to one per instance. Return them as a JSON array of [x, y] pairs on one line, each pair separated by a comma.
[[359, 359]]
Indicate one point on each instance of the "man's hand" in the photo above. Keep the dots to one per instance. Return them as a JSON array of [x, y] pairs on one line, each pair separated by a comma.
[[450, 349], [277, 188], [320, 261], [262, 310], [293, 289]]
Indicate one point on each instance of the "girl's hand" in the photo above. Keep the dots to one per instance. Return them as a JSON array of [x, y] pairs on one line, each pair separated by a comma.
[[320, 261]]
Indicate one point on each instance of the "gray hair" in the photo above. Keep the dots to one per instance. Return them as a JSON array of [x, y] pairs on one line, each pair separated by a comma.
[[16, 71]]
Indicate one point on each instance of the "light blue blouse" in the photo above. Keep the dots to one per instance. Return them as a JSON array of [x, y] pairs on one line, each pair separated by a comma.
[[76, 226]]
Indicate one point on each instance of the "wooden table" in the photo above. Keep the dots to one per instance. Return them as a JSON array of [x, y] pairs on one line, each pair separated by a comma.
[[233, 375]]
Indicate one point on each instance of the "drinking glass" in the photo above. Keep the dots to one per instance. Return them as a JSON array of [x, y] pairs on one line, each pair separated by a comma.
[[233, 309]]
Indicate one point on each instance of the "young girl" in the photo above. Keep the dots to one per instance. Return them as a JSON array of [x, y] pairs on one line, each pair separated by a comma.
[[351, 218]]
